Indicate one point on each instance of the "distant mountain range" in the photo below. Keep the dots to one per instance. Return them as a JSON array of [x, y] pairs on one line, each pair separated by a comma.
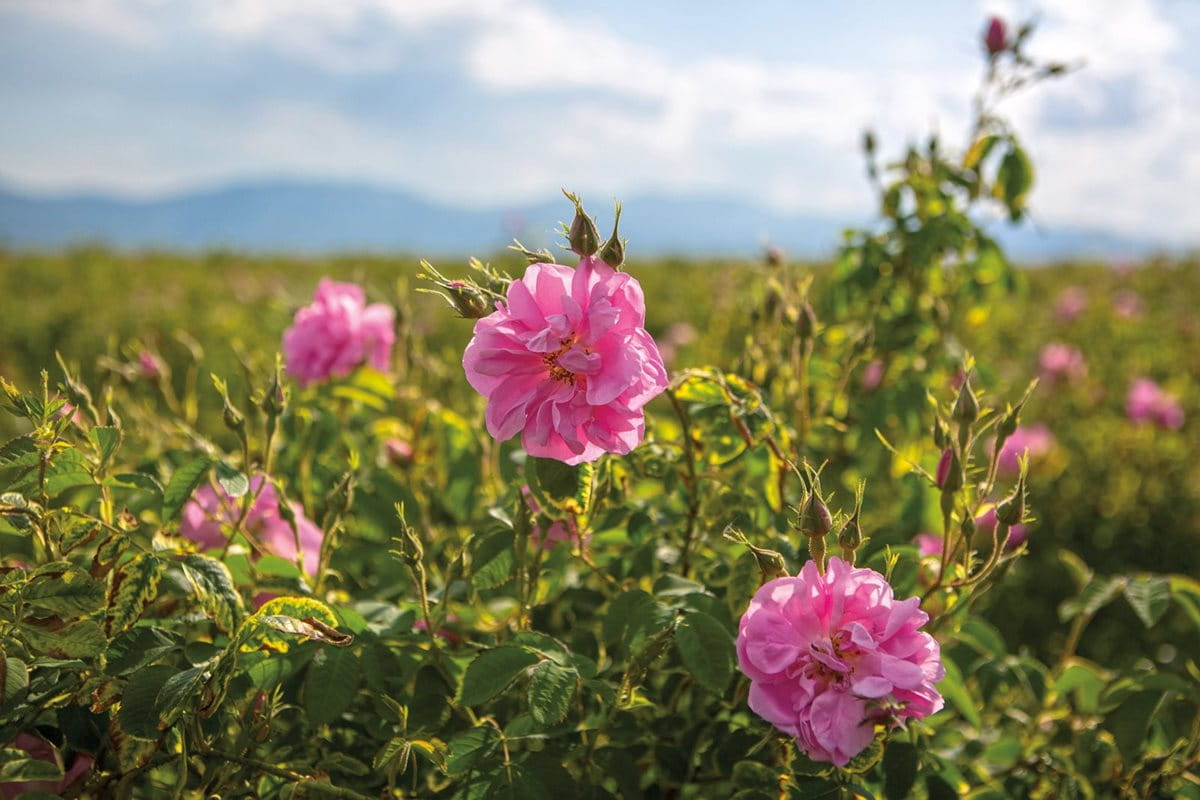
[[310, 217]]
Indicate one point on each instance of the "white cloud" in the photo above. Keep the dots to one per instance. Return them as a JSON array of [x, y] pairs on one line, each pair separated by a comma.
[[605, 113]]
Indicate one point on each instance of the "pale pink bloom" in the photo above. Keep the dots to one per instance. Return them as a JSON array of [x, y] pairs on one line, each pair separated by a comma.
[[209, 510], [1032, 440], [337, 333], [1127, 304], [1147, 402], [149, 365], [40, 749], [1060, 362], [567, 363], [830, 657], [559, 530], [928, 544], [69, 410], [872, 375], [447, 635], [1070, 303], [398, 451]]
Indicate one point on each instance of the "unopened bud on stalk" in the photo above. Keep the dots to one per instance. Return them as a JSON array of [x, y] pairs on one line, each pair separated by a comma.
[[967, 527], [966, 406], [583, 236], [1011, 510], [941, 434], [613, 252], [943, 467], [949, 475], [806, 323], [467, 300], [814, 519], [234, 420], [995, 37]]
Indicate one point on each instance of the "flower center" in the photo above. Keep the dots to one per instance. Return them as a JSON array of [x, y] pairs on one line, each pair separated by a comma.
[[557, 371]]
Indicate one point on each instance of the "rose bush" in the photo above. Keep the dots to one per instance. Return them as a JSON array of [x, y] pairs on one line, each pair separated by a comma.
[[732, 604]]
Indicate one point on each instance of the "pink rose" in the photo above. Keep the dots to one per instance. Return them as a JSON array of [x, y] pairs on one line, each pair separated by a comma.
[[928, 544], [149, 365], [1127, 304], [830, 657], [872, 375], [1060, 362], [1147, 402], [40, 749], [337, 333], [567, 362], [1070, 303], [1033, 440], [398, 451], [209, 510]]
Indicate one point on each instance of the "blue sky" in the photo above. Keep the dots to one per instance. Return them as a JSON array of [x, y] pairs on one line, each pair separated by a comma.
[[484, 103]]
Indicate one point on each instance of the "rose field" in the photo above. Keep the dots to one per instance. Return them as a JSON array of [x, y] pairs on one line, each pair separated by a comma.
[[912, 521]]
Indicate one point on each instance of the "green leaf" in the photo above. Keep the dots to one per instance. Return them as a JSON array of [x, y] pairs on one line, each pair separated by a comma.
[[706, 649], [136, 480], [16, 765], [393, 756], [494, 561], [491, 672], [134, 586], [899, 769], [1149, 595], [1130, 721], [106, 439], [275, 624], [551, 688], [178, 691], [139, 647], [233, 481], [954, 690], [14, 678], [19, 452], [470, 747], [138, 715], [183, 482], [212, 584], [84, 639], [69, 593], [559, 487], [939, 788], [1098, 593], [332, 681], [631, 615]]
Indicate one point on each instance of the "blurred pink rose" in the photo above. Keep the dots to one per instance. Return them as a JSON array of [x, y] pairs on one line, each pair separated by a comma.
[[830, 657], [1147, 402], [1070, 303], [1060, 362], [149, 365], [210, 509], [398, 451], [872, 375], [1034, 440], [40, 749], [1127, 304], [928, 544], [567, 362], [337, 333]]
